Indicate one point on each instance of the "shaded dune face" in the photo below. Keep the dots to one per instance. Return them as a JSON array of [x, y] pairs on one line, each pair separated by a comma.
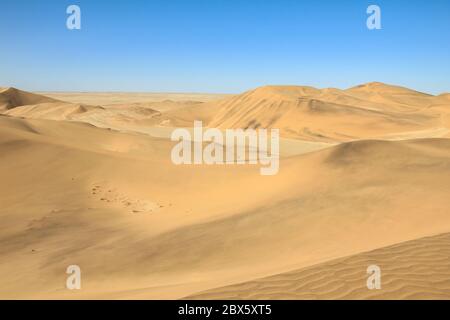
[[11, 98]]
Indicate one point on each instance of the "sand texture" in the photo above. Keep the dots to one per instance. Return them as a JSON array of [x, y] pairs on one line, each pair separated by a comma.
[[87, 180]]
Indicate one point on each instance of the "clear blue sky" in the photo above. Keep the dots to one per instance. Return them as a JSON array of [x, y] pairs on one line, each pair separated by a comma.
[[223, 45]]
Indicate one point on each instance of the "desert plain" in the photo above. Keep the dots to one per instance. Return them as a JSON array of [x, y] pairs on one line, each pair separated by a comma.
[[87, 180]]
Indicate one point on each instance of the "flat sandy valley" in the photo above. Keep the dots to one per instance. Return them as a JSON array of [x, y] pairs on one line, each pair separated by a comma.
[[87, 180]]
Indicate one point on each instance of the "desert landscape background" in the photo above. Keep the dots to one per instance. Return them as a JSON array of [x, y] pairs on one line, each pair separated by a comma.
[[87, 179]]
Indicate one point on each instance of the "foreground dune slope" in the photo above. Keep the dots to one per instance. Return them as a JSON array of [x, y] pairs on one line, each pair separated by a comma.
[[140, 227], [416, 269]]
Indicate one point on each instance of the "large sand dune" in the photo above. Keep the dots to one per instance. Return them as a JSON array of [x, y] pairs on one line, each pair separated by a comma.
[[93, 185], [11, 98], [367, 111]]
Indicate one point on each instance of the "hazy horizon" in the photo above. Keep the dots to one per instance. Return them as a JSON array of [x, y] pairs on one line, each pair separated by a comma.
[[215, 93]]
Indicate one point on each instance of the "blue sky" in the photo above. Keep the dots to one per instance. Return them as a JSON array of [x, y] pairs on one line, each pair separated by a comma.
[[223, 45]]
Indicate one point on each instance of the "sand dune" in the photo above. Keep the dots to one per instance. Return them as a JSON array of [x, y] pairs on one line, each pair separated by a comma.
[[120, 115], [391, 96], [445, 96], [11, 98], [93, 185], [140, 227], [370, 111], [50, 111], [366, 111], [185, 117], [417, 269], [116, 116]]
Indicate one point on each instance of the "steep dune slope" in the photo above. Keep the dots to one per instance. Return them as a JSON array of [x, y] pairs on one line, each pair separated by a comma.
[[141, 227], [329, 114], [11, 98]]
